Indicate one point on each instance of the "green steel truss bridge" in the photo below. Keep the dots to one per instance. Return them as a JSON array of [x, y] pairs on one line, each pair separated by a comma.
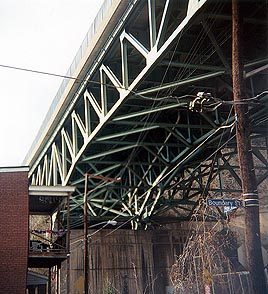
[[147, 111]]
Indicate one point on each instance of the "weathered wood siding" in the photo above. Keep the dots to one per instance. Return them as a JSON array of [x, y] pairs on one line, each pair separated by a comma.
[[130, 262]]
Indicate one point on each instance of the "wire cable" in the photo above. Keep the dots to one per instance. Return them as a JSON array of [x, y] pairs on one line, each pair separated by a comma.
[[150, 204]]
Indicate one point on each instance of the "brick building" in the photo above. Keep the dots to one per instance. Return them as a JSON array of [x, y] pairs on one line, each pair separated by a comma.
[[13, 229], [18, 202]]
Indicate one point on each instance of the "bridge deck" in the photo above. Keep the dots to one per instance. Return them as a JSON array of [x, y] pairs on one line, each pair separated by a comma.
[[140, 113]]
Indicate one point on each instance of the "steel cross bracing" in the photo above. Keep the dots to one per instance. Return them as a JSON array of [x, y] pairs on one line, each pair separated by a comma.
[[137, 115]]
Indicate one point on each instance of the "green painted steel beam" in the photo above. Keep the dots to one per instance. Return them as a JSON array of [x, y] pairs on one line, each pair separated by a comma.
[[115, 211], [193, 66], [133, 163], [149, 111], [164, 125], [108, 152], [126, 133], [181, 82], [155, 144]]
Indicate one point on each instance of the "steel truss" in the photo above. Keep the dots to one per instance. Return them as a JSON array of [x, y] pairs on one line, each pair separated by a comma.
[[137, 115]]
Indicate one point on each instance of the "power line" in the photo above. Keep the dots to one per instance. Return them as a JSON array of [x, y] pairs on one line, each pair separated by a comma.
[[230, 127], [164, 176], [58, 75], [245, 100], [38, 72]]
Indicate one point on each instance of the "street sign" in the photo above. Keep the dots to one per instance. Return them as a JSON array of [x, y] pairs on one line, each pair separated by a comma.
[[224, 202]]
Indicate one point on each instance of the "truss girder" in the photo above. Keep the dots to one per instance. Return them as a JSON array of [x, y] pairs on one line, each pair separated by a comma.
[[133, 119], [123, 89]]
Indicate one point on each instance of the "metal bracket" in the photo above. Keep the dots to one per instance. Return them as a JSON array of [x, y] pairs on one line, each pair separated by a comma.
[[251, 200]]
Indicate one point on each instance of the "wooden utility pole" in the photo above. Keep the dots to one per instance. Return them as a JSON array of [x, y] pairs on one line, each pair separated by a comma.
[[85, 237], [249, 185], [86, 256], [68, 243]]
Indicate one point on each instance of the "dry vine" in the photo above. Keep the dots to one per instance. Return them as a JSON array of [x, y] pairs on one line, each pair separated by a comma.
[[204, 263]]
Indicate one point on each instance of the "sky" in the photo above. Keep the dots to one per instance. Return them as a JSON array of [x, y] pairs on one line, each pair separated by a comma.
[[42, 35]]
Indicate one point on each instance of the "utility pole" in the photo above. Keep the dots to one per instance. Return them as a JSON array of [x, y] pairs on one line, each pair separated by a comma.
[[68, 243], [85, 237], [86, 256], [249, 185]]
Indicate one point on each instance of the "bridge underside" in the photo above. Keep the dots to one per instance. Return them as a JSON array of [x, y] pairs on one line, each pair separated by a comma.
[[140, 115]]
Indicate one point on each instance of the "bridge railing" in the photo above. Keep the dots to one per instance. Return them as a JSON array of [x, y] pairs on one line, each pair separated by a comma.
[[79, 55]]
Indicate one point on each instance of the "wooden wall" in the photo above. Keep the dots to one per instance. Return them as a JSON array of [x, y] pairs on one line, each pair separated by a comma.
[[124, 261]]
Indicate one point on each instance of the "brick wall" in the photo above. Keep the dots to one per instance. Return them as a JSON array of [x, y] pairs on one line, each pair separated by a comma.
[[13, 229]]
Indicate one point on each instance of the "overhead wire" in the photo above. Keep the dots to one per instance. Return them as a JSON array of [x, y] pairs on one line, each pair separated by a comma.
[[217, 100], [152, 98], [140, 197], [100, 185], [220, 146], [103, 184], [191, 56], [149, 98], [76, 79], [155, 98], [162, 99], [230, 138], [150, 204], [215, 158], [144, 193]]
